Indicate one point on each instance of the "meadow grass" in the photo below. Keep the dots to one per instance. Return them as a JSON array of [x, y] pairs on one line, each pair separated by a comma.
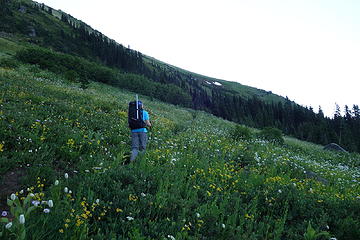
[[195, 181]]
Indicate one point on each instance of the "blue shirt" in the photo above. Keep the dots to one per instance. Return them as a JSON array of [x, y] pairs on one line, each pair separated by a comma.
[[145, 117]]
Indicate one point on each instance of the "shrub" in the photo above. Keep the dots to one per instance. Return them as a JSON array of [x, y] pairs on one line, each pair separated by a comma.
[[272, 134], [9, 63], [241, 133]]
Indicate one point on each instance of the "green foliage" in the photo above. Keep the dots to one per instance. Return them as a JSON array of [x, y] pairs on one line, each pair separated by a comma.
[[79, 69], [272, 134], [311, 234], [241, 133], [9, 62], [73, 67], [193, 182]]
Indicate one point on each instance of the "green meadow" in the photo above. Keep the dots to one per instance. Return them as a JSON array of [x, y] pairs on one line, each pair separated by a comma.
[[197, 179]]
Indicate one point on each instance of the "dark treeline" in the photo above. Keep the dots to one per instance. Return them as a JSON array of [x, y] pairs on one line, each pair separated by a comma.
[[71, 36]]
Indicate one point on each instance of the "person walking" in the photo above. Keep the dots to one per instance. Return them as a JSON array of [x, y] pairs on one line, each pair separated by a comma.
[[139, 130]]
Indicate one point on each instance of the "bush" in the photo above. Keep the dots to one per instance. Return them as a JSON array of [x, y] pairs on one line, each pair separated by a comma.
[[272, 134], [9, 63], [241, 133]]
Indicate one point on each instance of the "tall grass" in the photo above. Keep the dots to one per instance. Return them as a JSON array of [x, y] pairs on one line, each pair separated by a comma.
[[195, 180]]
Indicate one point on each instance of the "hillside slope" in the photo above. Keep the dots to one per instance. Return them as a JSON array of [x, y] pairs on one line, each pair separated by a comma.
[[196, 181], [31, 24]]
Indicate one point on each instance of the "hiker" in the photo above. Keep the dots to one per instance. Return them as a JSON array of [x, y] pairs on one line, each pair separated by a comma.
[[138, 121]]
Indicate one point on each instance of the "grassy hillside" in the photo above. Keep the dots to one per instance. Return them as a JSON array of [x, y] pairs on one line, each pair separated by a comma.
[[210, 83], [67, 144], [56, 41]]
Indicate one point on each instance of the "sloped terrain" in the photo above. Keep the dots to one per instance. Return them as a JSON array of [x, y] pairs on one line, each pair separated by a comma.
[[196, 181]]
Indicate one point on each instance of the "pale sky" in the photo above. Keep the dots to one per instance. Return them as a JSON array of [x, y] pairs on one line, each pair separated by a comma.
[[308, 50]]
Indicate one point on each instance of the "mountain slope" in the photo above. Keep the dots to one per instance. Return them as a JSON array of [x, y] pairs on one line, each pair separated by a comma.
[[196, 181], [28, 23]]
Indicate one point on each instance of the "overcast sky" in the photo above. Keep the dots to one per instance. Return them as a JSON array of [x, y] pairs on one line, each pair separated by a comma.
[[308, 50]]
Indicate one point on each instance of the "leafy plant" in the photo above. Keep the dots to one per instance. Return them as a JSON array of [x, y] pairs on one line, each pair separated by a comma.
[[272, 134], [311, 233], [240, 132]]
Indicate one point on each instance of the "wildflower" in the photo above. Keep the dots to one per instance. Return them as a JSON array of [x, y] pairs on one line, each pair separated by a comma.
[[46, 210], [197, 215], [133, 198], [171, 237], [97, 201], [35, 203], [66, 190], [129, 218], [143, 194], [50, 203], [21, 192], [1, 147], [66, 175], [61, 230], [279, 191], [119, 210], [4, 213], [32, 195], [223, 225], [333, 238], [8, 226], [13, 196], [56, 182], [22, 219]]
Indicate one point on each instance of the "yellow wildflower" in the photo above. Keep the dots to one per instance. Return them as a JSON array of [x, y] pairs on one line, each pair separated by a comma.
[[133, 198]]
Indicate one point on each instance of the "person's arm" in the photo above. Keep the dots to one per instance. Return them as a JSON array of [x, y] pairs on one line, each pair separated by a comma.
[[147, 119]]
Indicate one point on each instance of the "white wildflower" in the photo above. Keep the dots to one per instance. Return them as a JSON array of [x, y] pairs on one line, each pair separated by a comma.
[[223, 225], [129, 218], [66, 175], [279, 191], [21, 192], [8, 226], [13, 196], [97, 201], [50, 203], [46, 210], [22, 219], [66, 190], [35, 203], [171, 237], [143, 194], [197, 215], [56, 182]]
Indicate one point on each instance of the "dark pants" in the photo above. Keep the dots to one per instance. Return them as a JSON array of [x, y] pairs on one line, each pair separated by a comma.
[[138, 143]]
